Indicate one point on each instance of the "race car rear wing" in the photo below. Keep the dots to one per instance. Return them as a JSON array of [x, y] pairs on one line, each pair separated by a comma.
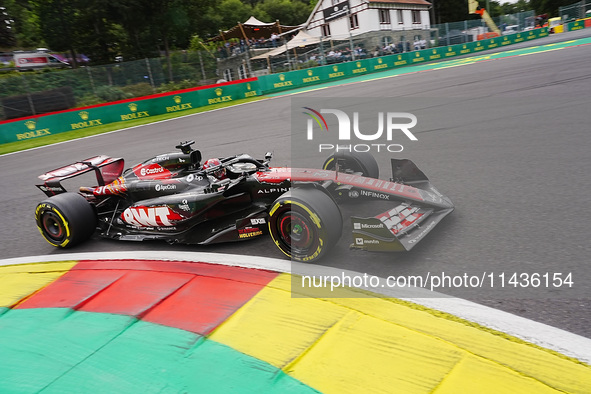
[[106, 169]]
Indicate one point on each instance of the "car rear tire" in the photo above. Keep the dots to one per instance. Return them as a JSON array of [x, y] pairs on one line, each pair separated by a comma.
[[363, 162], [66, 219], [305, 223]]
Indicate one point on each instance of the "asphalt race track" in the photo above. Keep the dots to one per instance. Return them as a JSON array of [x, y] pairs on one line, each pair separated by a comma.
[[507, 140]]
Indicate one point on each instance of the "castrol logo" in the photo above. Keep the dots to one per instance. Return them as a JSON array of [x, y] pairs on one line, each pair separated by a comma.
[[151, 171]]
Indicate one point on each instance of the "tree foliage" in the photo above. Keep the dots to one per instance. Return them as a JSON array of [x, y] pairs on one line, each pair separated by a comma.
[[457, 10], [287, 12], [135, 29], [7, 38], [513, 8], [549, 6]]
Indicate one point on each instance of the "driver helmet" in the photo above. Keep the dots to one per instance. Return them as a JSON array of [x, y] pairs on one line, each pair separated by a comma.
[[219, 173]]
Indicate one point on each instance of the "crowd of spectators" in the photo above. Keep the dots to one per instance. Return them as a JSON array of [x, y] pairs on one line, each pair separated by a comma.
[[400, 47], [234, 47], [344, 55], [319, 56], [339, 55]]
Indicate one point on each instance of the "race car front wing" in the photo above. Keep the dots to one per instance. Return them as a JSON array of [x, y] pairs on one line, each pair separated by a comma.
[[398, 229], [402, 227]]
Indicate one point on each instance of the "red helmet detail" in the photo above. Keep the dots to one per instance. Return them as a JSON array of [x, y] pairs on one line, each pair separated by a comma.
[[221, 173]]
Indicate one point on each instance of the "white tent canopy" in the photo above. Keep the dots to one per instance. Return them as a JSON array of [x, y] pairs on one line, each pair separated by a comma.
[[252, 21], [253, 28], [300, 40]]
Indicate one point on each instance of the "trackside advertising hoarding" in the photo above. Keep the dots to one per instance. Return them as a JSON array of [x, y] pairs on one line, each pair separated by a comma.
[[297, 79], [126, 110], [182, 100]]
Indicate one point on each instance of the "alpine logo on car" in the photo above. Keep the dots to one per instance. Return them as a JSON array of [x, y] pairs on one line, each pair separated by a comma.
[[273, 190], [150, 216]]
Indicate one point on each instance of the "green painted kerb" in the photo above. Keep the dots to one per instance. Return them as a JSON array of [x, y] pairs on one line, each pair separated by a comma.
[[57, 350]]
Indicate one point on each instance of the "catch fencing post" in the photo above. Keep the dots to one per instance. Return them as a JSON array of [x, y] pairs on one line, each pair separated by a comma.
[[201, 63], [91, 80], [150, 74], [29, 95]]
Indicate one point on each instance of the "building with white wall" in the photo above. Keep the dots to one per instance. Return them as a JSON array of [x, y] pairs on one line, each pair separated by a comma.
[[338, 19]]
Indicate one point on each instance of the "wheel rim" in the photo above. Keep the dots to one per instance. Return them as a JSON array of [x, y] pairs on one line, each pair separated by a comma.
[[297, 233], [53, 227]]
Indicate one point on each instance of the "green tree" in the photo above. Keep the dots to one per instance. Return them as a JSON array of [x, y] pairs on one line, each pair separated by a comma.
[[58, 23], [450, 10], [25, 27], [287, 12], [7, 38], [494, 8], [549, 7], [513, 8], [229, 12], [97, 34]]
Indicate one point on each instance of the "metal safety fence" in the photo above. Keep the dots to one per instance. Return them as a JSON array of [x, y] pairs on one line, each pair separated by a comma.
[[390, 40], [186, 99], [579, 10], [29, 93], [38, 92]]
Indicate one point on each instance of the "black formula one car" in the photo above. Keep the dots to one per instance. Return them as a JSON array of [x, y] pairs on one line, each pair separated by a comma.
[[176, 198]]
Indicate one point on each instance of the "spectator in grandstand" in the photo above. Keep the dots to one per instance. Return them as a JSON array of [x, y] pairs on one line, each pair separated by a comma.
[[274, 39]]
